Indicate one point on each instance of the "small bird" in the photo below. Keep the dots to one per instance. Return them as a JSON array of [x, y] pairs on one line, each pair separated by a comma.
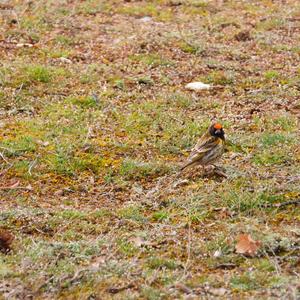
[[209, 148]]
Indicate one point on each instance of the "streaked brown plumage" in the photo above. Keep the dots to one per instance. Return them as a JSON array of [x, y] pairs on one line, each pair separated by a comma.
[[209, 148]]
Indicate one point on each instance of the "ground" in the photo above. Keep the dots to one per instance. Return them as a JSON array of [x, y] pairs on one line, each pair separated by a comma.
[[95, 123]]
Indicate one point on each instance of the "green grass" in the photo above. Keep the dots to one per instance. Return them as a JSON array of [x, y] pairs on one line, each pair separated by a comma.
[[151, 60], [158, 263], [132, 213], [38, 73]]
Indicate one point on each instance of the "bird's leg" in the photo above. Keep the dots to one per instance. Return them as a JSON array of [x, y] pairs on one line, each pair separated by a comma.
[[219, 171], [207, 170], [218, 168]]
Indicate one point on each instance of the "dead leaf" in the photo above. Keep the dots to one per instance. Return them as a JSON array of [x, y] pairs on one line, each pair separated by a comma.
[[243, 36], [14, 185], [6, 238], [246, 245]]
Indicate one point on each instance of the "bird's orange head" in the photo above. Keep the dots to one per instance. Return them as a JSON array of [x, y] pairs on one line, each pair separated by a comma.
[[217, 126], [216, 130]]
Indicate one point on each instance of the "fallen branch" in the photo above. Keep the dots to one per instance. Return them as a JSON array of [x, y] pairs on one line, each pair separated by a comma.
[[277, 205]]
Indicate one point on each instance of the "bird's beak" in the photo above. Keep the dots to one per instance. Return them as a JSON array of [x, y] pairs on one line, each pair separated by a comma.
[[218, 131]]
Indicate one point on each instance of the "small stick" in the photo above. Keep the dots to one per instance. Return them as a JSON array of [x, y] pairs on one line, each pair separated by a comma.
[[296, 202], [277, 205], [15, 187]]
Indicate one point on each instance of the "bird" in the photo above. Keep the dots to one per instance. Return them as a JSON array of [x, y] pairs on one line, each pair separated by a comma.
[[208, 149]]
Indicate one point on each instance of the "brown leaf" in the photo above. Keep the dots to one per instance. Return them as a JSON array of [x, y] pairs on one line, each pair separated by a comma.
[[6, 239], [243, 36], [246, 245]]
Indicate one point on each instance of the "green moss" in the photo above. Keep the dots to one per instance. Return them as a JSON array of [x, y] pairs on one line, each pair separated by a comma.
[[57, 53], [93, 7], [244, 282], [270, 24], [63, 40], [132, 213], [39, 73], [83, 101], [266, 158], [71, 215], [158, 263], [265, 265], [243, 201], [160, 215], [191, 48], [220, 77], [119, 83], [127, 248], [220, 243], [270, 139], [151, 59], [287, 123], [271, 75], [151, 293], [132, 169], [180, 100], [19, 145], [253, 281]]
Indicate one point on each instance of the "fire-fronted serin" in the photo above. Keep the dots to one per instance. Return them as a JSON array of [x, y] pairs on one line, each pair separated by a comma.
[[209, 148]]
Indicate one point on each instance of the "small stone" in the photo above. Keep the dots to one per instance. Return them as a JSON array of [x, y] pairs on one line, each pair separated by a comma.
[[145, 19], [44, 144], [218, 253], [20, 45], [197, 86], [218, 292], [65, 60], [59, 193], [138, 189]]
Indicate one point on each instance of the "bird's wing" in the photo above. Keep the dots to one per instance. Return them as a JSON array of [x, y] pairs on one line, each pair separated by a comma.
[[205, 144]]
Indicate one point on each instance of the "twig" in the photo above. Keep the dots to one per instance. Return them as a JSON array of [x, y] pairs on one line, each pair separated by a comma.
[[88, 134], [115, 290], [278, 205], [16, 188], [295, 202], [19, 89], [188, 251], [32, 164], [28, 188], [2, 156]]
